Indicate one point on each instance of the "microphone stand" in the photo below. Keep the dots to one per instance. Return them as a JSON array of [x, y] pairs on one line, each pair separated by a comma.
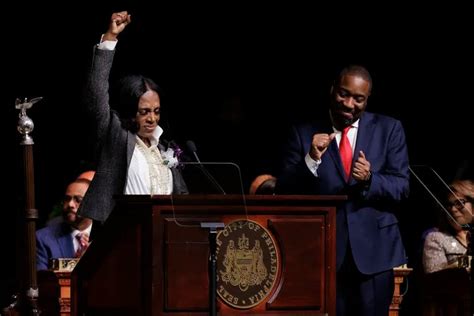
[[212, 266], [192, 148], [209, 175]]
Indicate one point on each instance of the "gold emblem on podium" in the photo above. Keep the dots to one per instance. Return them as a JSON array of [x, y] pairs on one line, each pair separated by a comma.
[[247, 264]]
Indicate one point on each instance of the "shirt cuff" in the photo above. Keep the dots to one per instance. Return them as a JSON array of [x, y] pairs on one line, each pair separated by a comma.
[[312, 164], [106, 45]]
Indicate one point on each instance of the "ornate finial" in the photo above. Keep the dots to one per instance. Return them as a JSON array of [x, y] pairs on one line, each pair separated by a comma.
[[25, 124]]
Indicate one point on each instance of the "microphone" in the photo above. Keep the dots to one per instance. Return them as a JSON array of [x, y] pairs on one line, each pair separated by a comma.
[[192, 147], [463, 211]]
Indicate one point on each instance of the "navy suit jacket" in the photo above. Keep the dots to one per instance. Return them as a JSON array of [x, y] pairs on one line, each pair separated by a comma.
[[367, 219], [54, 241]]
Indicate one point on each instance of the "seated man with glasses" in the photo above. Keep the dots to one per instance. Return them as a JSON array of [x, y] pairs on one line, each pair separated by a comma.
[[447, 246]]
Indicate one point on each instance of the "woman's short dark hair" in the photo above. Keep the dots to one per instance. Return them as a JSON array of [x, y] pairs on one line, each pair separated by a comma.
[[129, 90]]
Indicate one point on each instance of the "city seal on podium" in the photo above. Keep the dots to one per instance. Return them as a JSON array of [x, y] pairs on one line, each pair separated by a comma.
[[247, 264]]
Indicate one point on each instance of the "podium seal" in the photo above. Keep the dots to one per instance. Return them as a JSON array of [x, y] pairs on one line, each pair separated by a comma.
[[247, 264]]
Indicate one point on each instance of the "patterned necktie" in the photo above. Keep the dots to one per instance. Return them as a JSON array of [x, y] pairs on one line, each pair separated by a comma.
[[345, 151]]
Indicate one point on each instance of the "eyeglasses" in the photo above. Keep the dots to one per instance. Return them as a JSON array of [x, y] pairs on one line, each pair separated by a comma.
[[459, 203]]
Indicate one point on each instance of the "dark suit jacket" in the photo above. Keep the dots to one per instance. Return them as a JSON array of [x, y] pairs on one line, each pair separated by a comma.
[[367, 219], [116, 144], [53, 241]]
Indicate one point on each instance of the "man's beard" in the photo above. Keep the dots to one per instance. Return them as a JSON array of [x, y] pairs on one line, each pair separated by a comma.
[[70, 217]]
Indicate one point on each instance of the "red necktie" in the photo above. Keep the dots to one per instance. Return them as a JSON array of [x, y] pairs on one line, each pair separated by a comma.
[[345, 151]]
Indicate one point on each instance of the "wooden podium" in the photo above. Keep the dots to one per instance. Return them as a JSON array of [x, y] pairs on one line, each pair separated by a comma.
[[151, 257]]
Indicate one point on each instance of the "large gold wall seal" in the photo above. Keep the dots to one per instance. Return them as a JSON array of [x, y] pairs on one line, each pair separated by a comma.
[[247, 264]]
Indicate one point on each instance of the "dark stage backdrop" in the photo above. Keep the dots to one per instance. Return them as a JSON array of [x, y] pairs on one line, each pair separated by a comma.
[[205, 57]]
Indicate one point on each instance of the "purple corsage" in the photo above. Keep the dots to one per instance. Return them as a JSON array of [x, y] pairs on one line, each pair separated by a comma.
[[171, 155]]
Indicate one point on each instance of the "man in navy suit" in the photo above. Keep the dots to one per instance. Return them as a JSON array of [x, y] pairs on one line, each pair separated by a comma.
[[70, 237], [375, 179]]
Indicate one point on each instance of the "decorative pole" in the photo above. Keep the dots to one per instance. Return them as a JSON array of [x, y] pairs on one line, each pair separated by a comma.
[[29, 285]]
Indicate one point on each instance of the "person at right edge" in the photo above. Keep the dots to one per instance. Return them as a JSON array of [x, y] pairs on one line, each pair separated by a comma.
[[375, 179], [132, 157], [447, 245]]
